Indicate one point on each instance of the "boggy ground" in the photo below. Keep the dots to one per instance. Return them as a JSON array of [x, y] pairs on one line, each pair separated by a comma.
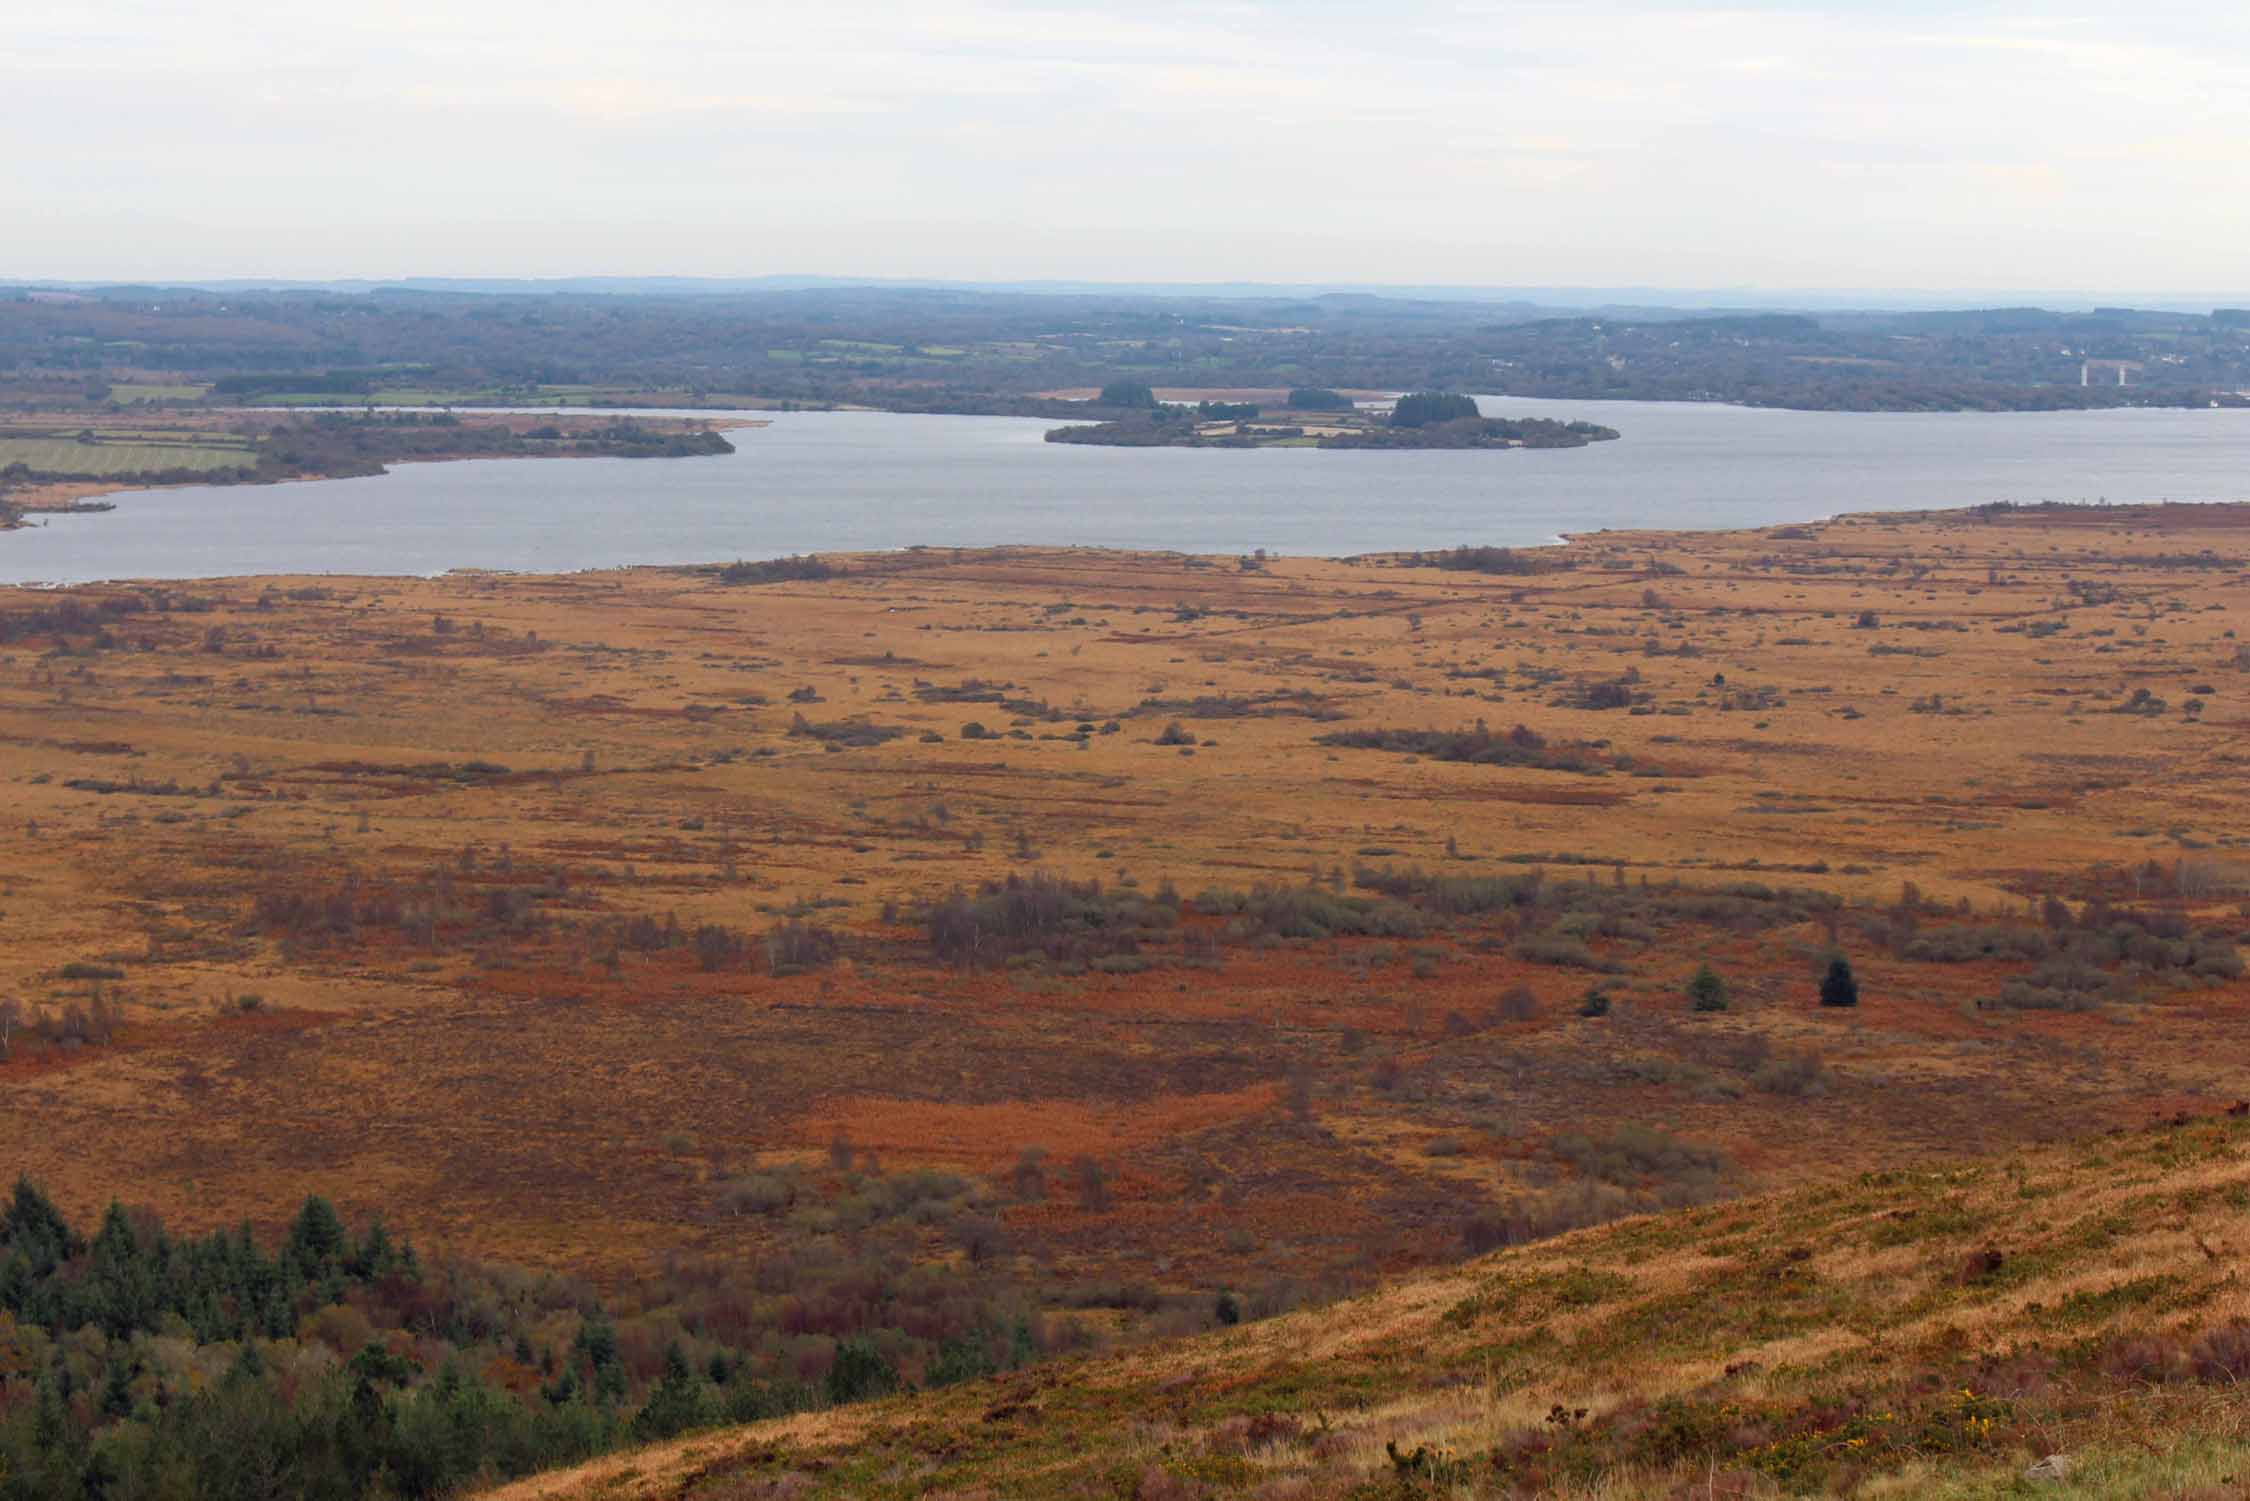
[[352, 869]]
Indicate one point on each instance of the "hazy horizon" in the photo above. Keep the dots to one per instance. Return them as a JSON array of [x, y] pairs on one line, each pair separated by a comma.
[[1676, 298], [1799, 150]]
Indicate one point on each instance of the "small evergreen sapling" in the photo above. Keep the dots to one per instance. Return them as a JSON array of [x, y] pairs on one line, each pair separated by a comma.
[[1837, 987], [1706, 991]]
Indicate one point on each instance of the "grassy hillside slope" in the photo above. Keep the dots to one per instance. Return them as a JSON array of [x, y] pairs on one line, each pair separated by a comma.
[[1924, 1333]]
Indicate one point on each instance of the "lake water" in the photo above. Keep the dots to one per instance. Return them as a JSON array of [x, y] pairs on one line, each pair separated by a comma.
[[860, 481]]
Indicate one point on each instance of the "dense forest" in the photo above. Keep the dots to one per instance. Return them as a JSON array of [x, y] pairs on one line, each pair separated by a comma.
[[139, 1364], [1007, 352]]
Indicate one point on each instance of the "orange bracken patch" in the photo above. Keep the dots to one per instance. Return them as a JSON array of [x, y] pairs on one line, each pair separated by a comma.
[[993, 1135]]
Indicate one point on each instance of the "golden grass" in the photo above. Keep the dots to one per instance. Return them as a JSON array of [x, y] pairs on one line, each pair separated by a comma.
[[1612, 1320], [643, 674]]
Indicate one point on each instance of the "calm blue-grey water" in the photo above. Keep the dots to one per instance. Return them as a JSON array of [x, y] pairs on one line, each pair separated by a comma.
[[820, 482]]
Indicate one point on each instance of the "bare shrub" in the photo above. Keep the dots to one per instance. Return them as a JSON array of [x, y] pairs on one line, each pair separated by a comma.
[[757, 1193], [2222, 1352], [1797, 1075], [1517, 1004], [1558, 949], [794, 947], [719, 947], [1044, 913], [1093, 1183], [1642, 1156], [2144, 1358]]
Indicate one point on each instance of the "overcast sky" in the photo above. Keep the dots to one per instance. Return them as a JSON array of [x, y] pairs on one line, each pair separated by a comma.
[[1890, 144]]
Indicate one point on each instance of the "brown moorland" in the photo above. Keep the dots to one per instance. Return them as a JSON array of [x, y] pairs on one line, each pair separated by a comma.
[[1354, 903]]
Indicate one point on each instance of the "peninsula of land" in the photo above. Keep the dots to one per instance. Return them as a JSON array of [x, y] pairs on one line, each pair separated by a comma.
[[55, 463]]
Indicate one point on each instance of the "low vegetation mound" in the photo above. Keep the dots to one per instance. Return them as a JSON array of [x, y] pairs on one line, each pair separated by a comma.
[[1426, 408], [1047, 915], [1477, 432], [1919, 1331], [807, 569], [1495, 560], [1479, 745]]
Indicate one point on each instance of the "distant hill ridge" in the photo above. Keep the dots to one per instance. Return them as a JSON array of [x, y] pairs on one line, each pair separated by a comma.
[[1532, 299]]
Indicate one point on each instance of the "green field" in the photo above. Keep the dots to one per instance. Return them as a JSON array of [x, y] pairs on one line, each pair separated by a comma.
[[400, 398], [127, 394], [122, 453], [544, 396]]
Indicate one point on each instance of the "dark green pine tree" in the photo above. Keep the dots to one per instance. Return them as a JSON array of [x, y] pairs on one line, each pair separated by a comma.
[[35, 1230], [1837, 987], [317, 1239], [676, 1404], [117, 1391], [860, 1372]]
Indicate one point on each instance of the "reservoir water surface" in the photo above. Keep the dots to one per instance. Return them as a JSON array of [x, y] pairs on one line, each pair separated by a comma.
[[858, 481]]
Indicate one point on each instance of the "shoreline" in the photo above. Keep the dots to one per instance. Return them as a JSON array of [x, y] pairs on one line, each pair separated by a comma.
[[1548, 558], [867, 482], [64, 497]]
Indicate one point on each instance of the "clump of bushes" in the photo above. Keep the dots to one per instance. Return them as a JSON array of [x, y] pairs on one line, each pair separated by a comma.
[[1308, 912], [1633, 1170], [1798, 1075], [1453, 896], [1637, 1156], [1497, 560], [1425, 408], [2062, 985], [1564, 951], [806, 569], [757, 1193], [845, 734], [1706, 991], [1072, 921], [1521, 746], [794, 947], [1604, 693], [2124, 942], [719, 947]]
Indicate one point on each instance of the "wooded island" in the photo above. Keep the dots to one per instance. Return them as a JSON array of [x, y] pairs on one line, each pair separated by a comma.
[[1319, 419]]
